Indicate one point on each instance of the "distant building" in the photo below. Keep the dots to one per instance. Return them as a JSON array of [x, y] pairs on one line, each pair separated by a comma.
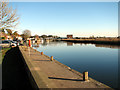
[[19, 37], [9, 38], [69, 36]]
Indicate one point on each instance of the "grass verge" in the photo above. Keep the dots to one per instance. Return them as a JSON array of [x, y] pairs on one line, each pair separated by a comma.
[[2, 53]]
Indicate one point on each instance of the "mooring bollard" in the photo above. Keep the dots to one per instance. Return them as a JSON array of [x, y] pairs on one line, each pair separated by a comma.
[[85, 76], [41, 53], [51, 58], [26, 49]]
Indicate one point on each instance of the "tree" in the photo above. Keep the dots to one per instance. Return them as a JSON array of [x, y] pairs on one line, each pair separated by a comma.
[[15, 33], [36, 36], [44, 36], [3, 30], [26, 34], [50, 35], [9, 31], [8, 16]]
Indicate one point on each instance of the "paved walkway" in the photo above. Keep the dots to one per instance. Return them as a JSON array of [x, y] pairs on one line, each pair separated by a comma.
[[60, 75]]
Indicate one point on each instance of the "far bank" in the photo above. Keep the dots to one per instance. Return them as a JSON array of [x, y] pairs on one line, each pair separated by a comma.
[[115, 41]]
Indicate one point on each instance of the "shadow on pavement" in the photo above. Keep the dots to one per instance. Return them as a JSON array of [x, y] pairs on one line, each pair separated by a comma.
[[65, 79], [14, 75]]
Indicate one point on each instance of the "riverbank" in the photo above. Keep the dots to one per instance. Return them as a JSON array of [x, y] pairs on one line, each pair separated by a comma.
[[53, 74], [115, 41]]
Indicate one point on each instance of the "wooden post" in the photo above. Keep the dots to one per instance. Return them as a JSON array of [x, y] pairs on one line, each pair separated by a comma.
[[41, 53], [85, 76], [26, 48], [51, 58]]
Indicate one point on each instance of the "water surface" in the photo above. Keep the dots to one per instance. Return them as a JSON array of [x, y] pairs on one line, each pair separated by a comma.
[[101, 61]]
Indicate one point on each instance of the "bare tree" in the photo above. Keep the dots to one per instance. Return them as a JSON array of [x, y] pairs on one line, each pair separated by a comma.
[[26, 34], [44, 36], [15, 33], [8, 16], [9, 31], [36, 36]]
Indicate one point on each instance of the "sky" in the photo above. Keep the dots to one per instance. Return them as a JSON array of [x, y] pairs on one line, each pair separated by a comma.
[[82, 19]]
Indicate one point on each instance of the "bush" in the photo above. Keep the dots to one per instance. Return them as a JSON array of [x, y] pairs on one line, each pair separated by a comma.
[[3, 38]]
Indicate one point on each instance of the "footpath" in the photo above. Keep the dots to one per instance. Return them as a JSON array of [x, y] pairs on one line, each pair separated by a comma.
[[49, 73]]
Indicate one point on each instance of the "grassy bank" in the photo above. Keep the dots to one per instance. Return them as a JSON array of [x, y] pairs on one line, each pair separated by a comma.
[[4, 50], [2, 53]]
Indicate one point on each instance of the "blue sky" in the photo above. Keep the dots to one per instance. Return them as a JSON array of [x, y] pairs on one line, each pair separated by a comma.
[[61, 18]]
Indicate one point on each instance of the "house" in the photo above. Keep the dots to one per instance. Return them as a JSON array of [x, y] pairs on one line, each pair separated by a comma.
[[19, 37], [4, 36], [69, 36]]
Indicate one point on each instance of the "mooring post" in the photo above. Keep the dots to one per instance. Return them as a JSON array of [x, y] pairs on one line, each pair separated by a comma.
[[51, 58], [85, 76], [41, 53], [26, 48]]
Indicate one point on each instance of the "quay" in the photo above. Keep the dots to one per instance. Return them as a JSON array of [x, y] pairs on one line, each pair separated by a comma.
[[46, 72]]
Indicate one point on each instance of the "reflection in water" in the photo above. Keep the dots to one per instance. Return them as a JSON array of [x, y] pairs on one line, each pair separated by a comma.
[[107, 46], [101, 45], [101, 63], [69, 44], [45, 43]]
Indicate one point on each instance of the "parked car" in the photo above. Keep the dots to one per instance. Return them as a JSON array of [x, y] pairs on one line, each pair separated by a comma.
[[13, 42], [18, 42], [5, 44], [8, 43]]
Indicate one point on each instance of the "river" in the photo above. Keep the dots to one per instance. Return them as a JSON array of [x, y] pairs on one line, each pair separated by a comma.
[[101, 61]]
